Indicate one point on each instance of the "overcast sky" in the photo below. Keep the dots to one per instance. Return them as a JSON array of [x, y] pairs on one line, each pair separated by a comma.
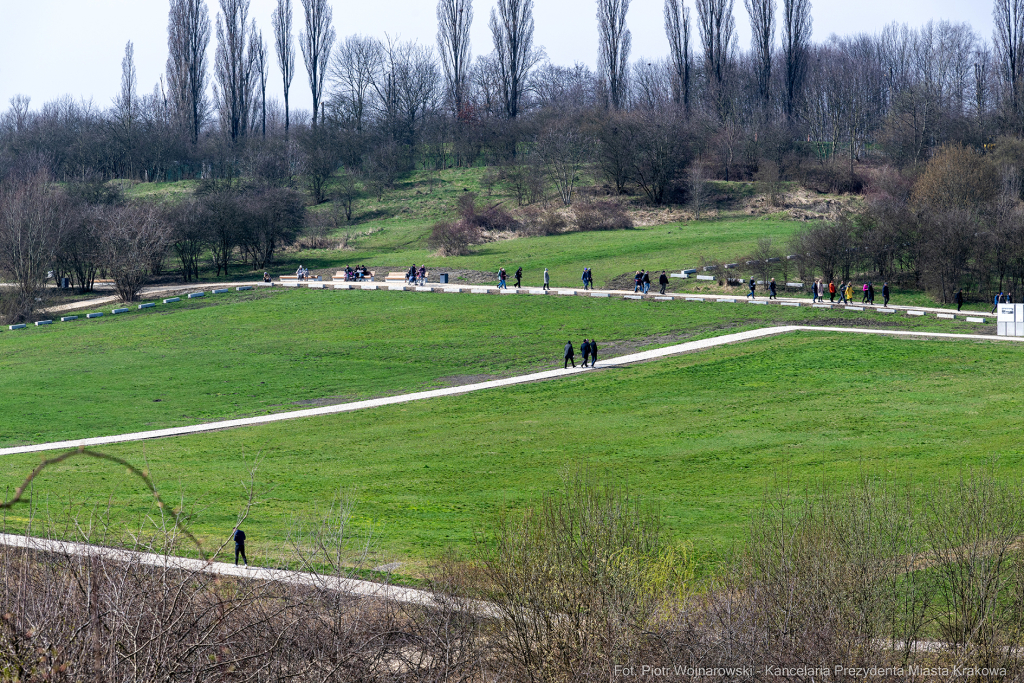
[[50, 48]]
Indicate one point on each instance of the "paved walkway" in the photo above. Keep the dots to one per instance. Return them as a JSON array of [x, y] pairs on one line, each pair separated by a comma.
[[480, 386], [348, 586]]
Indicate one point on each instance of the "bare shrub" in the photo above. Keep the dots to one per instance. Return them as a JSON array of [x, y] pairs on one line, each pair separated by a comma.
[[131, 236], [579, 579], [602, 215], [453, 238], [537, 222]]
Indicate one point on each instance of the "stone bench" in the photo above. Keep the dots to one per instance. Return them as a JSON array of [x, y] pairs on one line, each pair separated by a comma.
[[118, 311], [916, 313], [295, 278], [220, 291], [40, 323], [242, 289], [854, 308], [794, 304], [945, 316], [663, 298], [975, 320], [150, 305], [196, 295], [172, 300], [17, 327], [694, 298], [705, 277], [68, 318], [93, 315], [628, 296]]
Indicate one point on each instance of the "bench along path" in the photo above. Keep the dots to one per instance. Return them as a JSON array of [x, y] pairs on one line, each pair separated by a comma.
[[492, 384]]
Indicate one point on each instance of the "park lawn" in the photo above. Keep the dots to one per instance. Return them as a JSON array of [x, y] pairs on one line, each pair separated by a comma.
[[705, 435], [251, 353]]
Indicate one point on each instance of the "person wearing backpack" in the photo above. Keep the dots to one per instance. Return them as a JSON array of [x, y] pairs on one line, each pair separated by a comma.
[[519, 277], [501, 279]]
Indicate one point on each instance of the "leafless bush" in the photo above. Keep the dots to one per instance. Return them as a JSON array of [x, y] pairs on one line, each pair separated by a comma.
[[130, 237], [537, 222], [865, 575], [453, 238], [601, 215], [579, 580]]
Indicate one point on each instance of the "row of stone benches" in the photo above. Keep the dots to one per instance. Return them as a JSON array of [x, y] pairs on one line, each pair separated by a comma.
[[118, 311]]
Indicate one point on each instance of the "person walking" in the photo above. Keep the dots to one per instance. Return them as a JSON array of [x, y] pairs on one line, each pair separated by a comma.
[[501, 279], [959, 298], [590, 278], [849, 292], [841, 291], [637, 279], [647, 281], [831, 291], [771, 289], [865, 299], [586, 280], [547, 279], [871, 294], [751, 285], [585, 350], [519, 277], [663, 281], [423, 275], [995, 302], [885, 295], [239, 537], [568, 355], [593, 353]]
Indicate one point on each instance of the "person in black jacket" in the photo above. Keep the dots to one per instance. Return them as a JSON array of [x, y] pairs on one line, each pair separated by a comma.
[[239, 537], [646, 281], [569, 358], [871, 293], [885, 294], [593, 353], [959, 299], [663, 281], [771, 289], [585, 349], [519, 277]]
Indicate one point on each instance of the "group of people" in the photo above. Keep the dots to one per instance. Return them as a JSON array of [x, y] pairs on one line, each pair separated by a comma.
[[1000, 298], [357, 273], [845, 291], [416, 276], [588, 350], [588, 279]]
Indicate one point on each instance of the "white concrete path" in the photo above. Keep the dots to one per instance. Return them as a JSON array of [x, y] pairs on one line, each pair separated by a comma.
[[493, 384], [366, 589]]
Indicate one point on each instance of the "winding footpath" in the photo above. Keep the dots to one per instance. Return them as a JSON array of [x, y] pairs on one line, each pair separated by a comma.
[[653, 354]]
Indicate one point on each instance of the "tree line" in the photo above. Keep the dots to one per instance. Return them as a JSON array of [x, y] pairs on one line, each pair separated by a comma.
[[383, 106]]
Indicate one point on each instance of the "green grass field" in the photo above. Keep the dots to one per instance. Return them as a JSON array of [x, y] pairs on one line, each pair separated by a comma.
[[243, 354], [705, 435]]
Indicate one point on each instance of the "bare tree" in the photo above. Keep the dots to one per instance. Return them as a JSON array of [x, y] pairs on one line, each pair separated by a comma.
[[762, 44], [354, 65], [316, 43], [261, 71], [188, 35], [454, 20], [717, 32], [1008, 39], [796, 38], [677, 29], [697, 182], [234, 67], [282, 22], [564, 149], [613, 45], [131, 236], [126, 109], [512, 30]]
